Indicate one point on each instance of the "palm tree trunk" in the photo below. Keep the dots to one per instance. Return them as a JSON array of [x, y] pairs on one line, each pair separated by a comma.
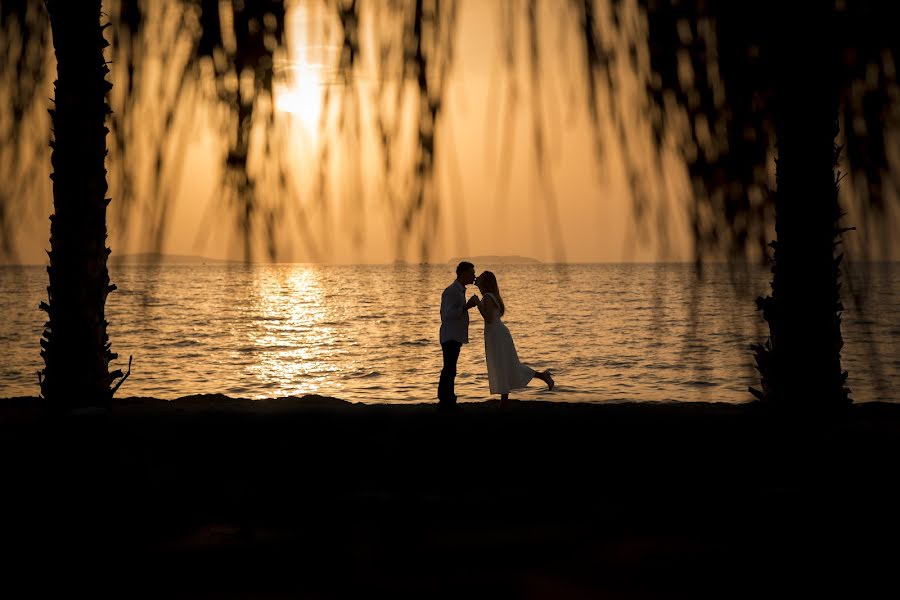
[[800, 363], [76, 350]]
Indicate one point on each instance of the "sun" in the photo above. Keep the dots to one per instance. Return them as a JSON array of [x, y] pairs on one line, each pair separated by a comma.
[[301, 94], [302, 97]]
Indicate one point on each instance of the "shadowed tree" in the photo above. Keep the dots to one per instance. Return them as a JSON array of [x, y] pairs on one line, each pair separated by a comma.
[[800, 363], [757, 79], [76, 348]]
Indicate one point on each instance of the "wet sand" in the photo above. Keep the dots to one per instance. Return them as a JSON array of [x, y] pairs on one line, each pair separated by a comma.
[[208, 496]]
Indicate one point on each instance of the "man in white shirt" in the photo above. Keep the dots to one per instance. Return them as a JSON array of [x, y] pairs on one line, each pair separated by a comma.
[[454, 330]]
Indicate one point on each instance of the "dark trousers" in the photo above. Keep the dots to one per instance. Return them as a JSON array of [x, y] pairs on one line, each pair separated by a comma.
[[451, 349]]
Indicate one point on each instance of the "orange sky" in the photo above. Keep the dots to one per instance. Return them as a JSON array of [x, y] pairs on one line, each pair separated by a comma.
[[476, 216], [482, 212], [595, 220]]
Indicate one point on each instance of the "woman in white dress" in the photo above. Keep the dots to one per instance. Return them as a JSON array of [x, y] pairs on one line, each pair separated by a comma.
[[505, 372]]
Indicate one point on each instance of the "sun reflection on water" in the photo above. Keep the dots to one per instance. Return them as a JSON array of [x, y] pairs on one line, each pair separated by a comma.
[[292, 327]]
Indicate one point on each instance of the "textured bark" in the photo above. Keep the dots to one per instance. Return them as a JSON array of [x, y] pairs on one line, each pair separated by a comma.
[[76, 349], [800, 363]]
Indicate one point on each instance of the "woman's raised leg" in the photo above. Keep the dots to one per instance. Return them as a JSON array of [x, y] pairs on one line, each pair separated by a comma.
[[546, 378]]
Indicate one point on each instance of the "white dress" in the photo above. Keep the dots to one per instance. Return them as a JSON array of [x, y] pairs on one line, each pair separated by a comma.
[[505, 372]]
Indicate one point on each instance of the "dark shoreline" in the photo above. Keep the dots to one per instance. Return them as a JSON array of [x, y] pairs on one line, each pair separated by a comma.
[[316, 497]]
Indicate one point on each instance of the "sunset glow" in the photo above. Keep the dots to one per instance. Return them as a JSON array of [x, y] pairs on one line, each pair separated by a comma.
[[303, 98], [302, 95]]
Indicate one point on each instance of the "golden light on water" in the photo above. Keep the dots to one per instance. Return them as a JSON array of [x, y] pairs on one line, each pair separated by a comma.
[[292, 327]]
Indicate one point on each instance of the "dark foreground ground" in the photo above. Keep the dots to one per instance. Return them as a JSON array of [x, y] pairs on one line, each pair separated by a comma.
[[206, 497]]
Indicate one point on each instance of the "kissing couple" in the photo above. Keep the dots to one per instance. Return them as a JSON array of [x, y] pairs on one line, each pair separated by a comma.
[[505, 372]]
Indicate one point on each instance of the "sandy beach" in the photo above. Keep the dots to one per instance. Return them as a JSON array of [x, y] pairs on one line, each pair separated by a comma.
[[207, 496]]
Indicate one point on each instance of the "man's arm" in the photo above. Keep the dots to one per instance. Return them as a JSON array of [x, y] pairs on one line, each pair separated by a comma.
[[451, 306]]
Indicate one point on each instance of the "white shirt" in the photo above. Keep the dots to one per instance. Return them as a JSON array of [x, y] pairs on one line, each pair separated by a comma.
[[454, 316]]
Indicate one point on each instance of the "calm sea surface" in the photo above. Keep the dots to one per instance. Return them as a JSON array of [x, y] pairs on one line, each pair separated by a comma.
[[370, 333]]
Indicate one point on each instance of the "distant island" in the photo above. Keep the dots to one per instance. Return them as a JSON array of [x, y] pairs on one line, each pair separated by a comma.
[[158, 257], [496, 260]]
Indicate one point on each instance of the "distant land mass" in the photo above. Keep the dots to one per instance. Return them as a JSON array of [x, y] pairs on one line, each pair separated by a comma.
[[495, 260], [158, 257]]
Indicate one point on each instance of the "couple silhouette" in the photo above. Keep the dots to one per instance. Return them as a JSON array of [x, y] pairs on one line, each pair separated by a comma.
[[505, 372]]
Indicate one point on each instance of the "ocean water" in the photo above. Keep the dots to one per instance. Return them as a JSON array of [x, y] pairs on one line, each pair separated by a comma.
[[608, 332]]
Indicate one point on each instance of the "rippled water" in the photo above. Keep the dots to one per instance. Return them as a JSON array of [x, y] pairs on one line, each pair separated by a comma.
[[370, 333]]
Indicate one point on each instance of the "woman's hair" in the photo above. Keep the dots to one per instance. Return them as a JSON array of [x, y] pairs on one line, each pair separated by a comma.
[[489, 281]]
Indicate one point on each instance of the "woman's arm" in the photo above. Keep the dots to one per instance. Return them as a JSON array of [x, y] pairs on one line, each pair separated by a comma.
[[484, 308]]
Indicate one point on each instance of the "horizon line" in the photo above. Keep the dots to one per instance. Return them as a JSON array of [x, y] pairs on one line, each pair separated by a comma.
[[204, 260]]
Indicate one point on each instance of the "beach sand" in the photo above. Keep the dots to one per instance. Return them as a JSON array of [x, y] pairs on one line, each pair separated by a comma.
[[207, 496]]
